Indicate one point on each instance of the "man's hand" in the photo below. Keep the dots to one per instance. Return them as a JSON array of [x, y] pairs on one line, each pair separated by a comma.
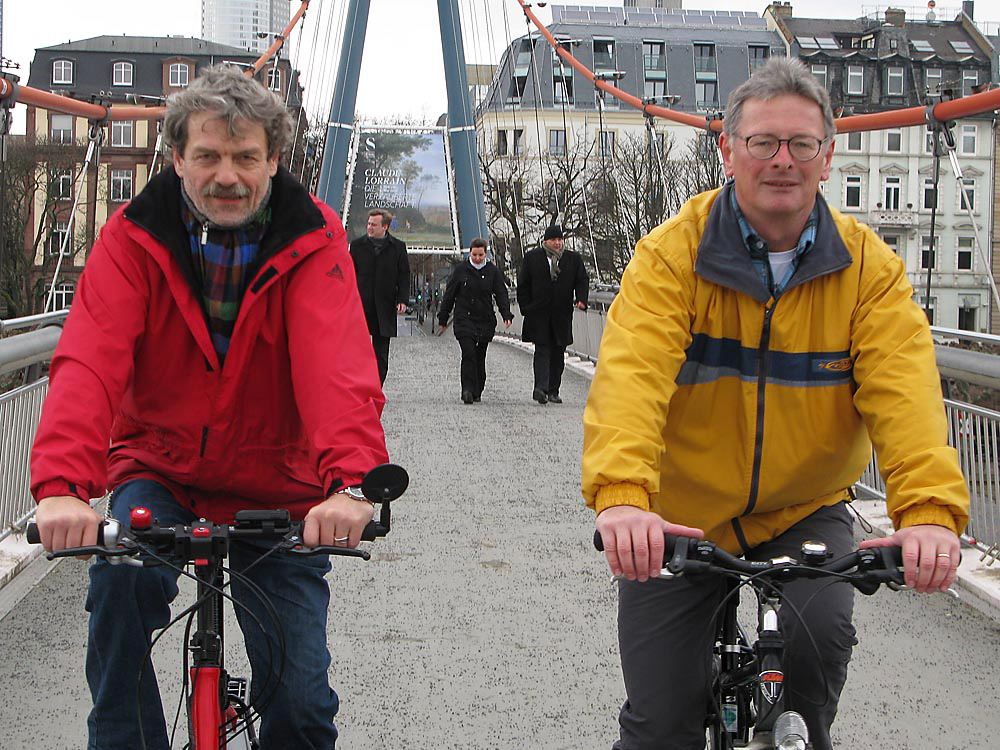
[[633, 540], [337, 521], [65, 521], [931, 555], [401, 308]]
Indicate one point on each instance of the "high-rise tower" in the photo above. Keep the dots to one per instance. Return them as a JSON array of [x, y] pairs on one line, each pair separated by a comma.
[[249, 24]]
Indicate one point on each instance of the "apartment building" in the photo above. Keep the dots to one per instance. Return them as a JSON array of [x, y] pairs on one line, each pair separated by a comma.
[[112, 70], [885, 178]]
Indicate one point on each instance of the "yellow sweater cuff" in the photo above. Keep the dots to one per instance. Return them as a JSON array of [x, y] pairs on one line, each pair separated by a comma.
[[624, 493], [927, 513]]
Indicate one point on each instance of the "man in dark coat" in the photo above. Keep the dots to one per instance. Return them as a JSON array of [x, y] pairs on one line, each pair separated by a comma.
[[551, 282], [383, 273], [473, 286]]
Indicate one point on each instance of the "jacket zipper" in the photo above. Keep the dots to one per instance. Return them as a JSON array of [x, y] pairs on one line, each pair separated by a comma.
[[758, 448]]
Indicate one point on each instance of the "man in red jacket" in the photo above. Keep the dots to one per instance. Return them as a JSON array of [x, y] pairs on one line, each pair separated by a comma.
[[198, 346]]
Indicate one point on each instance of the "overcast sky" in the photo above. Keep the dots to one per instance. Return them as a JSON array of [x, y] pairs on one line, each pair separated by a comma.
[[402, 73]]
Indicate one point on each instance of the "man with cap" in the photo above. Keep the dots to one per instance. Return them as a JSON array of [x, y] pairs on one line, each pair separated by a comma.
[[552, 281]]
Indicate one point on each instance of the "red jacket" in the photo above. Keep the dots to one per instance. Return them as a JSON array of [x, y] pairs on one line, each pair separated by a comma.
[[293, 413]]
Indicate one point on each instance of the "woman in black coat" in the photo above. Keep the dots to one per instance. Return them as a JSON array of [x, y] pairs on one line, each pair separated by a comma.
[[473, 286]]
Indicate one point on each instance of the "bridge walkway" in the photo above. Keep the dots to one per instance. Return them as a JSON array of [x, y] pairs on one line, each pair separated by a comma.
[[486, 621]]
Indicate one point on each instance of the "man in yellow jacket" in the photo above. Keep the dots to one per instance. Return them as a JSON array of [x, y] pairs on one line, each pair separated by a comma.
[[760, 345]]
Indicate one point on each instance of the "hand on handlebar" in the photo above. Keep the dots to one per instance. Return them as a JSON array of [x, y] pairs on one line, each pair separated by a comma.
[[65, 521], [633, 540], [931, 555], [338, 521]]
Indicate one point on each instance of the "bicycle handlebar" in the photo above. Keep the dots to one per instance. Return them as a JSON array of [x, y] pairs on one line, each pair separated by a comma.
[[866, 569]]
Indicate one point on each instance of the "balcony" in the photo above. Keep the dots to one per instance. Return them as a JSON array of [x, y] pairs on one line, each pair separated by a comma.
[[884, 218]]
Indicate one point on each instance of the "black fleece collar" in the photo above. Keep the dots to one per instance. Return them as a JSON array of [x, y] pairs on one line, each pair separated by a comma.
[[723, 259], [157, 209]]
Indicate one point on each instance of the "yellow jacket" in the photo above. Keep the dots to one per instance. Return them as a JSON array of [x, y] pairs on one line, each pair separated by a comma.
[[720, 407]]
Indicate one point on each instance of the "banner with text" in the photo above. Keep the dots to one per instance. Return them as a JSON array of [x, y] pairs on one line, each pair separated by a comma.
[[407, 175]]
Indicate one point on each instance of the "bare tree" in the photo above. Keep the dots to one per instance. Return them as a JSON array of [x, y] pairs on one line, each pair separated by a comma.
[[37, 174]]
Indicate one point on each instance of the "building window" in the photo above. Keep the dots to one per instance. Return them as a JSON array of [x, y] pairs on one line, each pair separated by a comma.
[[932, 80], [121, 185], [894, 81], [557, 142], [654, 88], [928, 308], [894, 141], [122, 133], [61, 127], [178, 75], [121, 74], [964, 259], [969, 133], [819, 71], [563, 89], [929, 202], [607, 142], [927, 256], [62, 71], [62, 296], [706, 94], [57, 235], [759, 55], [604, 54], [653, 57], [893, 188], [967, 318], [62, 184], [852, 191], [970, 79], [892, 240], [274, 79], [967, 195], [855, 141], [855, 80]]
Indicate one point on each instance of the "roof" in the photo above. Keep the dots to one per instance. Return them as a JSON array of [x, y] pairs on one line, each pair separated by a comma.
[[159, 45]]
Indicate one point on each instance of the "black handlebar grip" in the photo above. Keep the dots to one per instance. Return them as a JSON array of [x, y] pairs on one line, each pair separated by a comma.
[[33, 537]]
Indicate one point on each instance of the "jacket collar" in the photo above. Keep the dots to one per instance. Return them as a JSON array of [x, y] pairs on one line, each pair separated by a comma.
[[723, 258], [157, 209]]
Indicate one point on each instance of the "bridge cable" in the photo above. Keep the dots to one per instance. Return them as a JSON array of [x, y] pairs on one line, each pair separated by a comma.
[[95, 137]]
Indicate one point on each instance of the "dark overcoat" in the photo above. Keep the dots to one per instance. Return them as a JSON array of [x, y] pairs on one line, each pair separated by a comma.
[[471, 292], [383, 281], [547, 305]]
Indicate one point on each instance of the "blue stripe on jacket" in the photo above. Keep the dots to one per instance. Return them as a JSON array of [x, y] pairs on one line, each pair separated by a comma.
[[709, 359]]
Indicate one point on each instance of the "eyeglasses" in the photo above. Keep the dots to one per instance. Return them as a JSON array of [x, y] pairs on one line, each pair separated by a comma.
[[801, 147]]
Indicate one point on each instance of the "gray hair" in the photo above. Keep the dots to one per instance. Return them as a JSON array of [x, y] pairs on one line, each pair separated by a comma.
[[225, 91], [779, 76]]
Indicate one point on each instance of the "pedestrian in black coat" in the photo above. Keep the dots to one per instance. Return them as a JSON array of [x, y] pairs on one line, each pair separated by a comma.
[[473, 286], [383, 272], [552, 281]]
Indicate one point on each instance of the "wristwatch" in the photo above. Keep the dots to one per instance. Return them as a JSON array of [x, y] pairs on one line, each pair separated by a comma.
[[356, 493]]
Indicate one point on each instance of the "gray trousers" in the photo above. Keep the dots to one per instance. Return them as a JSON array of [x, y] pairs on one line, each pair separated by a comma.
[[665, 638]]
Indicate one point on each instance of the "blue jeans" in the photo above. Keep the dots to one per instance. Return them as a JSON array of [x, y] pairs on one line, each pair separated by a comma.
[[128, 603]]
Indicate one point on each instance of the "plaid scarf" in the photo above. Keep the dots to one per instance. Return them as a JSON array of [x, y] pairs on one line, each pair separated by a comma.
[[222, 259], [757, 247]]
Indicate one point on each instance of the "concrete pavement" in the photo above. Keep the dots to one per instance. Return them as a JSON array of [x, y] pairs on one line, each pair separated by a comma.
[[486, 620]]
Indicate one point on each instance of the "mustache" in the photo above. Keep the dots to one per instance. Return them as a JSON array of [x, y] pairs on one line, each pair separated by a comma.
[[214, 190]]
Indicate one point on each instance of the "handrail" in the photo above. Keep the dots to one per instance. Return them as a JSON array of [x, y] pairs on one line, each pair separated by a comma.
[[965, 106], [29, 321], [68, 105]]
